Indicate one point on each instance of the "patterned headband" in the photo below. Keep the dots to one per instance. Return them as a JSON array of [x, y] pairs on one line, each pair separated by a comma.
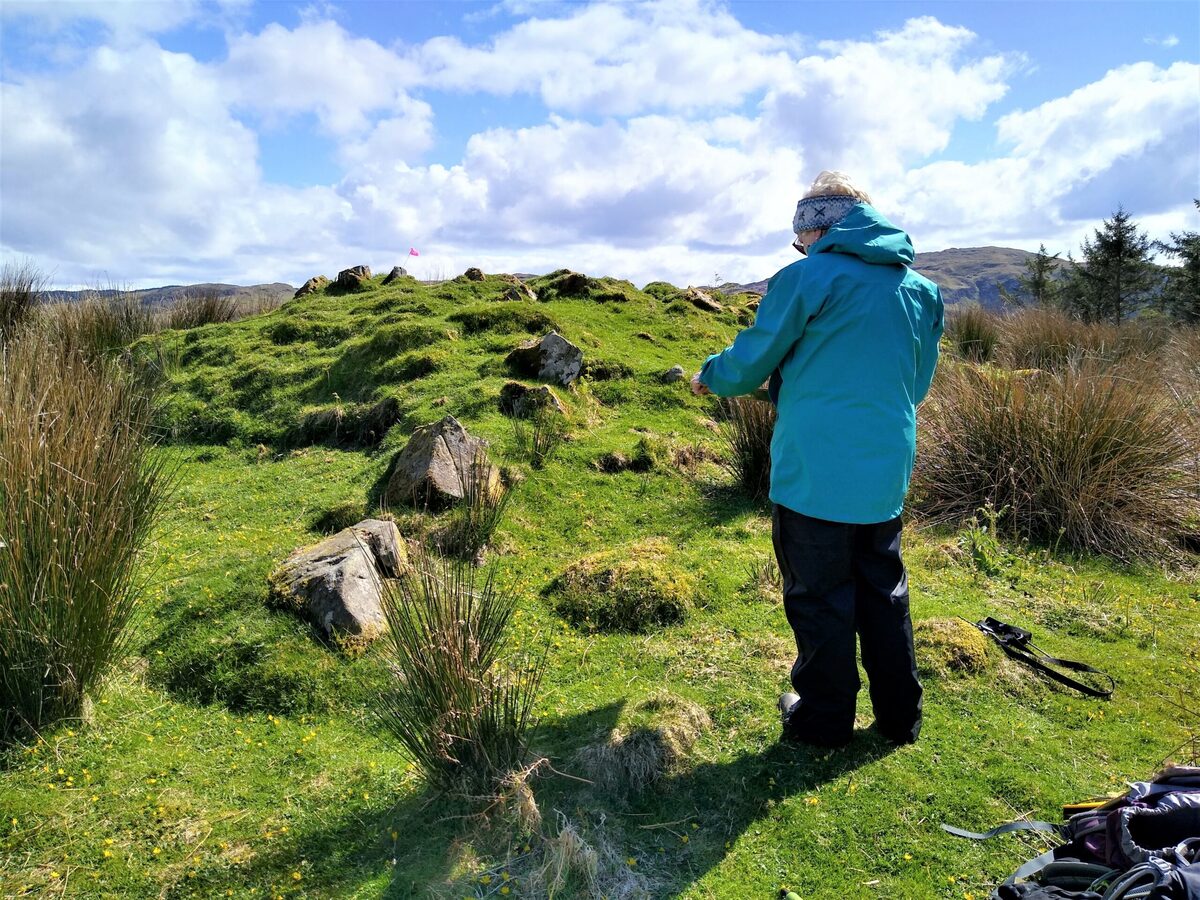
[[819, 213]]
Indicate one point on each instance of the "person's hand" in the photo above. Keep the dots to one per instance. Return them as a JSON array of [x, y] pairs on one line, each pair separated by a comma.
[[699, 388]]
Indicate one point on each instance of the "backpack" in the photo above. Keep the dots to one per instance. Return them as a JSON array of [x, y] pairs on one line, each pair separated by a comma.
[[1143, 845]]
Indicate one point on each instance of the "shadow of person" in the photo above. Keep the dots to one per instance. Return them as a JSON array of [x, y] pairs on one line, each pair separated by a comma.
[[723, 797]]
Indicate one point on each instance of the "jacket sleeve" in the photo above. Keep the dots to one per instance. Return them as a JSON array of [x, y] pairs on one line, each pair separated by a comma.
[[928, 347], [758, 350]]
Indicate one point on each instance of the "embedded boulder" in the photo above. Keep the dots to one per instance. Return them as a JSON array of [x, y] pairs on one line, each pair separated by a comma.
[[354, 278], [436, 468], [312, 285], [702, 300], [551, 358], [396, 274], [336, 584], [673, 374], [521, 400], [473, 274]]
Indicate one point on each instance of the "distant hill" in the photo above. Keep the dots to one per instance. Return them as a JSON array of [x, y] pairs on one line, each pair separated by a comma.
[[162, 296], [965, 274]]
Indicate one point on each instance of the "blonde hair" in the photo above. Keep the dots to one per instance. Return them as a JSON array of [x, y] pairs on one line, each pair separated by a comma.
[[836, 184]]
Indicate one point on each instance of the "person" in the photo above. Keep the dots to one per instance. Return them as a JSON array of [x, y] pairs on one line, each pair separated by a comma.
[[848, 336]]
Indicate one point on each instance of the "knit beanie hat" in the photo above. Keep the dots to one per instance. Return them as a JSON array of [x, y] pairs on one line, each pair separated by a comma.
[[819, 213]]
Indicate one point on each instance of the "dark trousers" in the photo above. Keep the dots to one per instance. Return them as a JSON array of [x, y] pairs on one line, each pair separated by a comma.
[[838, 581]]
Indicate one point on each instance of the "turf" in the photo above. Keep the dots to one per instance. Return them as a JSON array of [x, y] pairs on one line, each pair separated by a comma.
[[236, 754]]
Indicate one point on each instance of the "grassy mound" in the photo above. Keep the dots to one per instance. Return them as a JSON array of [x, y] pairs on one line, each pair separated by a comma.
[[948, 647], [633, 589], [653, 738]]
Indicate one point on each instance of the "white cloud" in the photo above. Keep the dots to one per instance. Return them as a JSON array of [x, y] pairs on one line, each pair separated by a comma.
[[1169, 40], [873, 107], [319, 67], [617, 59], [652, 161], [1129, 138]]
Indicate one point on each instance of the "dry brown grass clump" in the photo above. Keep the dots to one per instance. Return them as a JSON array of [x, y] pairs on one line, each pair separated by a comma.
[[1048, 339], [950, 647], [1091, 458], [653, 738], [974, 333]]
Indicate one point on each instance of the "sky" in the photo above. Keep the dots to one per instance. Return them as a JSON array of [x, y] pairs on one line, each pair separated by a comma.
[[146, 143]]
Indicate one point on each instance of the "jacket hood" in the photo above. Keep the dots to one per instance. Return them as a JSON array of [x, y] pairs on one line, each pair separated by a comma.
[[865, 233]]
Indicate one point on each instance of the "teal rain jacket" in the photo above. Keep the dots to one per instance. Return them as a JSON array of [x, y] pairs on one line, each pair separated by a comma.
[[854, 334]]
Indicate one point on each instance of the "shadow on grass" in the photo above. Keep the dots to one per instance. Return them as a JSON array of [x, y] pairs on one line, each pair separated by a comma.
[[725, 798], [724, 501]]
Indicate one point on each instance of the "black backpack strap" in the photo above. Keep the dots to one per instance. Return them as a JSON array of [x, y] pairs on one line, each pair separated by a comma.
[[1017, 644], [1004, 829]]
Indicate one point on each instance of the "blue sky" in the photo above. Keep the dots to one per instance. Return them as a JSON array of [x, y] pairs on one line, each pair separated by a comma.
[[237, 141]]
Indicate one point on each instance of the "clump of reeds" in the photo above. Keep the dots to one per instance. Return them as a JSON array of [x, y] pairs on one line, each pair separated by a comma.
[[21, 285], [746, 428], [1089, 457], [974, 333], [1049, 339], [100, 325], [460, 708], [201, 306], [539, 434], [475, 519], [79, 493]]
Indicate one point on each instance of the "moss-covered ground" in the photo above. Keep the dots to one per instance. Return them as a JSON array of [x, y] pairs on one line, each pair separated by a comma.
[[237, 755]]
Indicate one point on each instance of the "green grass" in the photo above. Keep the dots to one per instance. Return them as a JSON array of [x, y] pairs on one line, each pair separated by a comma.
[[245, 751]]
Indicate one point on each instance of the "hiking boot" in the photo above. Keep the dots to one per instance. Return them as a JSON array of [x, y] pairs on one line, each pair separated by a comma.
[[787, 702]]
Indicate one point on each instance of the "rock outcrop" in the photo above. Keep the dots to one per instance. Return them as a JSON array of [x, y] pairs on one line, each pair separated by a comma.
[[521, 400], [702, 300], [336, 583], [353, 279], [313, 284], [473, 274], [396, 274], [437, 466], [673, 374], [551, 358]]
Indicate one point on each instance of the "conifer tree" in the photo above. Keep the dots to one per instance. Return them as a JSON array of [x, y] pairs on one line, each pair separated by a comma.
[[1115, 275], [1181, 293], [1041, 284]]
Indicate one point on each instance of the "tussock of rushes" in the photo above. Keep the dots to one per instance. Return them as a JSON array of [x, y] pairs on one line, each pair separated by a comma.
[[1090, 458], [458, 709], [100, 325], [974, 333], [201, 306], [477, 516], [79, 493], [1046, 339], [746, 428], [539, 435], [653, 739], [20, 287]]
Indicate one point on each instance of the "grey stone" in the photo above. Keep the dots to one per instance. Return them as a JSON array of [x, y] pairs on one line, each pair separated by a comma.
[[396, 274], [313, 284], [437, 465], [336, 583], [353, 278], [551, 358], [701, 300], [521, 400], [675, 373], [520, 291]]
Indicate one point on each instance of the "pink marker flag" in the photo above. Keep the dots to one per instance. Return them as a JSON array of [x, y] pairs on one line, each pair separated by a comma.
[[413, 252]]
